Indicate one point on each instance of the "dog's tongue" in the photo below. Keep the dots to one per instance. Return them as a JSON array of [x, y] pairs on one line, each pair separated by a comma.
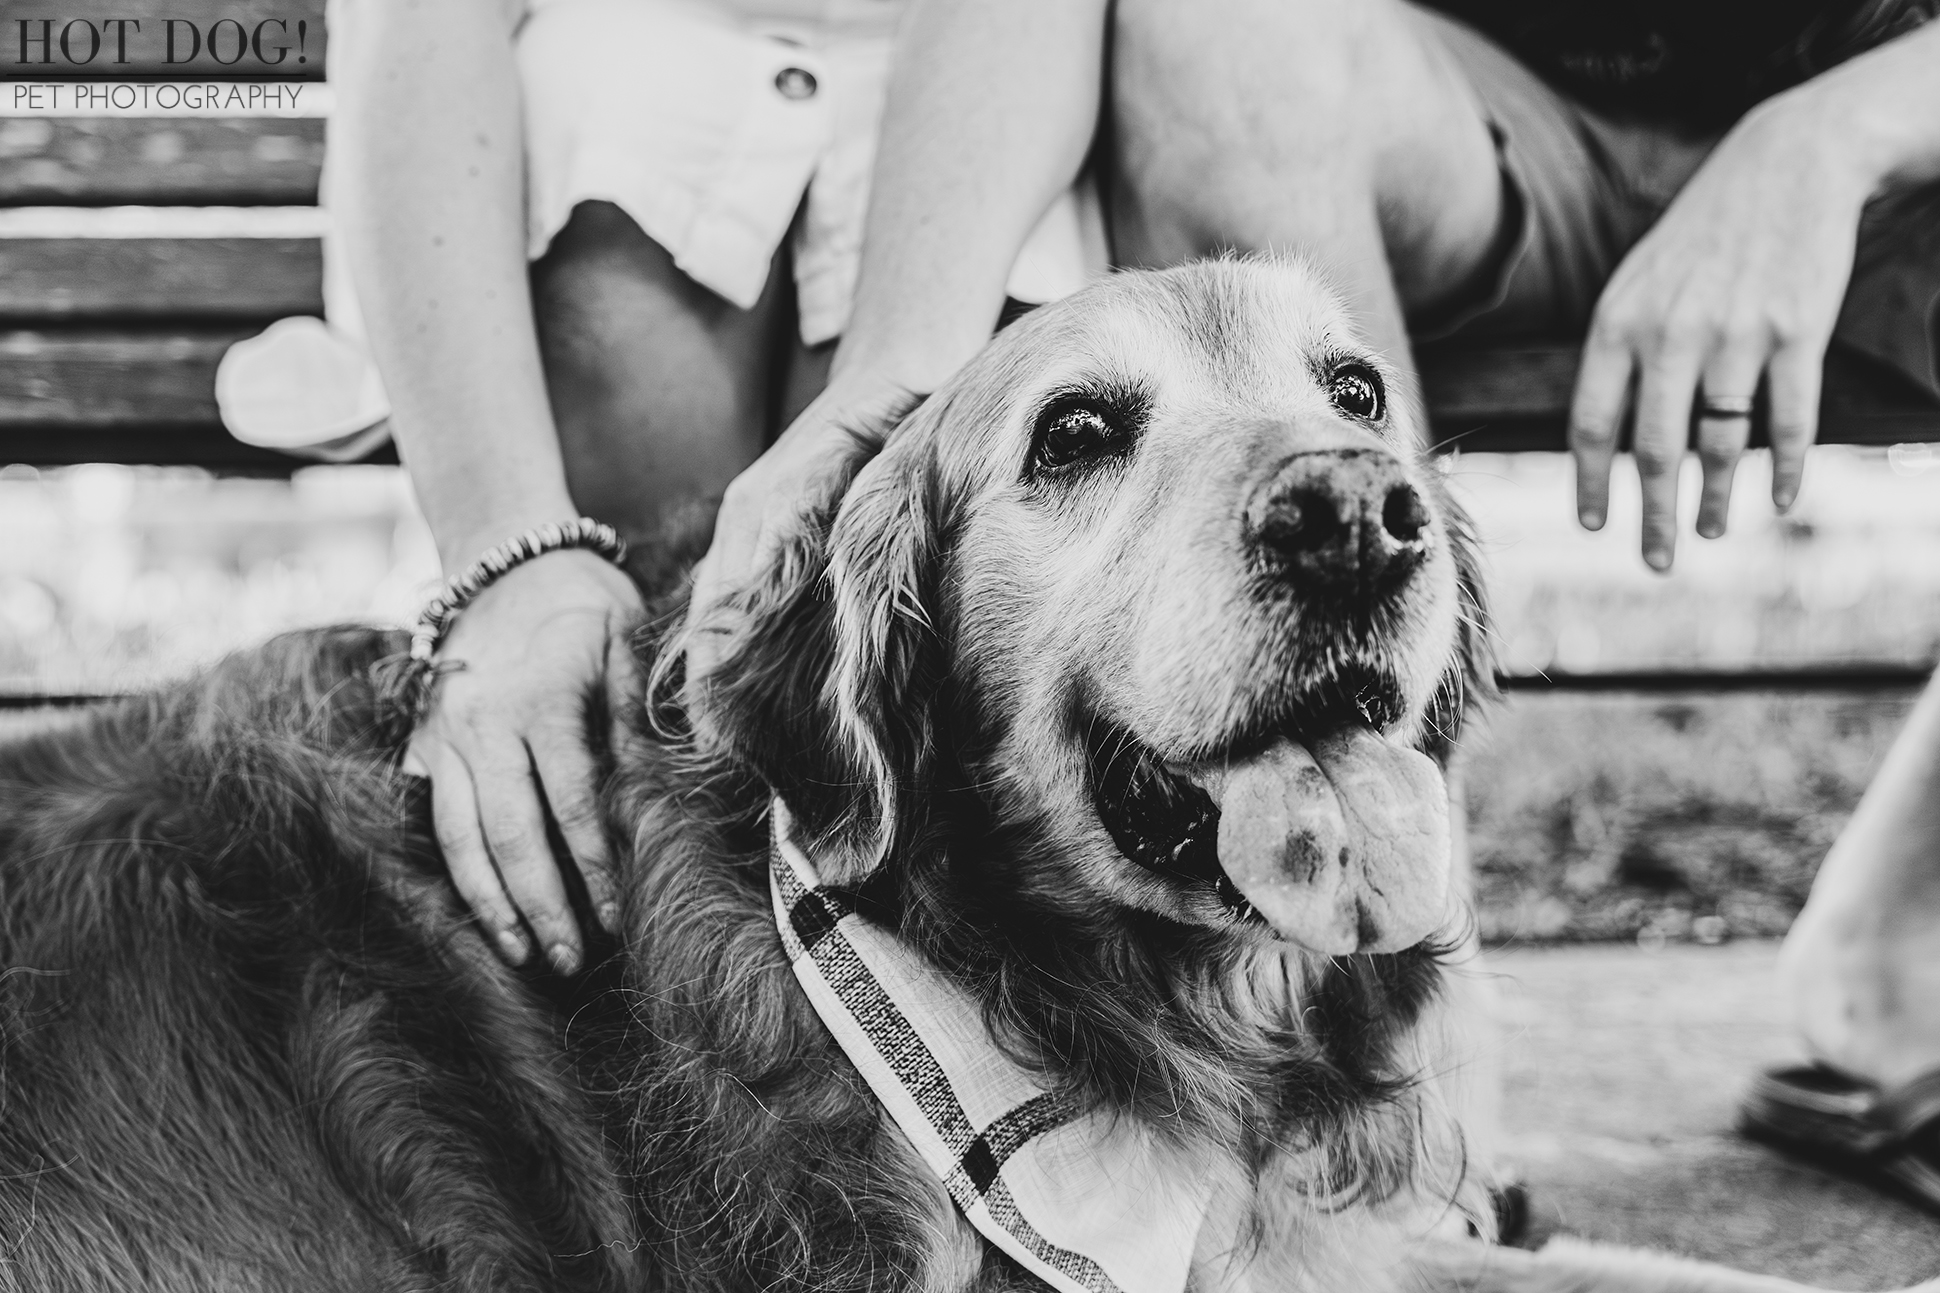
[[1341, 844]]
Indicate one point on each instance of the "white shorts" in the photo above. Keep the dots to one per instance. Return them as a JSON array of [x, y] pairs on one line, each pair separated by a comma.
[[711, 123], [712, 126]]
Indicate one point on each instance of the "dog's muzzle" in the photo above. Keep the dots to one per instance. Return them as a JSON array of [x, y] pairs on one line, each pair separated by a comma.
[[1341, 522]]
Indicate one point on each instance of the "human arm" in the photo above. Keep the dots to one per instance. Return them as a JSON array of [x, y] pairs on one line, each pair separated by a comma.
[[1744, 276], [991, 110], [434, 208]]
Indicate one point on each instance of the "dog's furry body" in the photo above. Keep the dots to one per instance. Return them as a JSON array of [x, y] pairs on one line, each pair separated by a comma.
[[248, 1038], [252, 1042]]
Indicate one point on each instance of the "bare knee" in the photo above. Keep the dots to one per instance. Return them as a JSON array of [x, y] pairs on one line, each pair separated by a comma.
[[1221, 60], [659, 387], [1349, 131], [1212, 100]]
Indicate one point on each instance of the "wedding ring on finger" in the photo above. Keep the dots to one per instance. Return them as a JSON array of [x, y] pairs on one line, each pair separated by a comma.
[[1724, 408]]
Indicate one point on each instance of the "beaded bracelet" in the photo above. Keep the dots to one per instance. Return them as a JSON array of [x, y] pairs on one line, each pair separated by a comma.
[[584, 532]]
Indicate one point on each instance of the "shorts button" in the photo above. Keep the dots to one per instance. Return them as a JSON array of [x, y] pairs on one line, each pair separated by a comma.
[[795, 83]]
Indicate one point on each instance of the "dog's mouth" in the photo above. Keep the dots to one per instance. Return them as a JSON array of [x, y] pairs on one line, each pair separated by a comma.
[[1316, 828]]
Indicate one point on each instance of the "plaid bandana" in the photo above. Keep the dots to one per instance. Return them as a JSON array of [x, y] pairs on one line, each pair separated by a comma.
[[1086, 1202]]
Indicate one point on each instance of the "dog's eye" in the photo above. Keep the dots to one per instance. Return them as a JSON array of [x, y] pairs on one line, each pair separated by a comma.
[[1071, 433], [1356, 391]]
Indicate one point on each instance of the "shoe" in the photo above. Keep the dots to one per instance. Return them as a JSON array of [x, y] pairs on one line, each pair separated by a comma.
[[1890, 1137]]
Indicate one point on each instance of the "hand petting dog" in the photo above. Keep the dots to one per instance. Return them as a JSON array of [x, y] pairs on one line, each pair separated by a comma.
[[766, 505], [506, 747]]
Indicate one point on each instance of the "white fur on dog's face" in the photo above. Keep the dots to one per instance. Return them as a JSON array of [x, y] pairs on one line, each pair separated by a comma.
[[1123, 591]]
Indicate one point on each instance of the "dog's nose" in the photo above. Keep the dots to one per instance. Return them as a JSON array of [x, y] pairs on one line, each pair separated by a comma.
[[1340, 520]]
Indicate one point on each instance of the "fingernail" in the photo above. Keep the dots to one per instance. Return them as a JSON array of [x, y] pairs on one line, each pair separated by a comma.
[[1592, 520], [1710, 531], [564, 959], [1658, 559], [513, 946], [1784, 501], [609, 914]]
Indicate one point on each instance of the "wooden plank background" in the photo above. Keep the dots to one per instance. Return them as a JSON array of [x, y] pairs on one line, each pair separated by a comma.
[[1517, 397], [106, 377], [161, 278], [78, 391], [133, 395], [154, 445], [160, 161], [146, 49]]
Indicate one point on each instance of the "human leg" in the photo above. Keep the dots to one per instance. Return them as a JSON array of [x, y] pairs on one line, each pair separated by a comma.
[[1861, 965], [1341, 131], [662, 391]]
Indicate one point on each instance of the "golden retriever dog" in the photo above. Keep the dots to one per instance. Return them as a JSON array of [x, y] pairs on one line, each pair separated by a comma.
[[1115, 688]]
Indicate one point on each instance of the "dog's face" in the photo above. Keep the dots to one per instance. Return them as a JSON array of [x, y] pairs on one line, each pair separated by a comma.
[[1163, 568]]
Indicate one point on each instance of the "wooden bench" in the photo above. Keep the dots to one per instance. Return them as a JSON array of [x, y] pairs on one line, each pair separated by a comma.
[[108, 345]]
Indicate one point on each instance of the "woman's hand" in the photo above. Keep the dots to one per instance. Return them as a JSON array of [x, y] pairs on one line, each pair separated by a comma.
[[1742, 278], [506, 742], [766, 504]]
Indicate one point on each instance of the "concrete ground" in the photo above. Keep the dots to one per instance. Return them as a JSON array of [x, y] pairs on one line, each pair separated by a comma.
[[1624, 1069]]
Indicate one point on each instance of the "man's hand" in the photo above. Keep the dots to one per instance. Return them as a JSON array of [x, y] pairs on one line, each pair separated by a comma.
[[506, 740], [1741, 278], [763, 506]]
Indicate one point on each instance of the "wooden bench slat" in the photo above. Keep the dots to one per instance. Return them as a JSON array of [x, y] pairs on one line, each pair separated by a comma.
[[134, 394], [1510, 382], [104, 378], [160, 161], [155, 446], [123, 395], [146, 47], [139, 394], [1511, 398], [196, 278]]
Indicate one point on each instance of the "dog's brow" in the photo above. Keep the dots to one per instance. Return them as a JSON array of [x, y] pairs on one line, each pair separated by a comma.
[[1324, 360], [1123, 398]]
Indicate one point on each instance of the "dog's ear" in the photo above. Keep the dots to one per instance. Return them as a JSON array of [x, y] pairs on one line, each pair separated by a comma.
[[884, 563], [829, 693]]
